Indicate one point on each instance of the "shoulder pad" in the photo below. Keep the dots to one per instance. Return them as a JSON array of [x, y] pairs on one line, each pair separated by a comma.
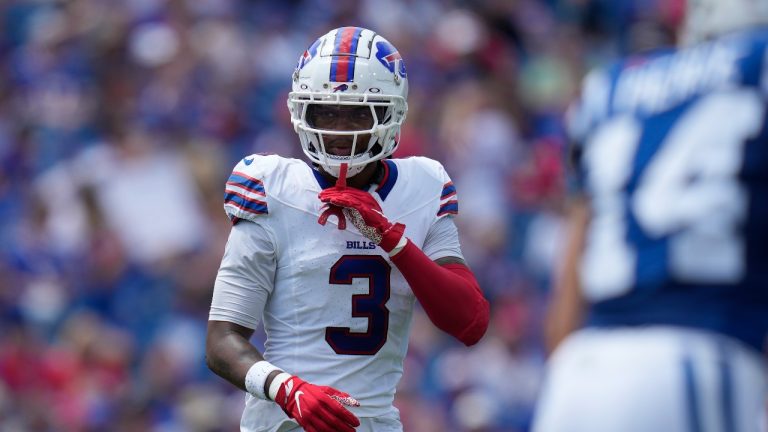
[[449, 200], [245, 196]]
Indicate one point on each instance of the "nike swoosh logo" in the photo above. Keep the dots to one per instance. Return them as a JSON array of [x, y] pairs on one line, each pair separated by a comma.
[[248, 161], [298, 401]]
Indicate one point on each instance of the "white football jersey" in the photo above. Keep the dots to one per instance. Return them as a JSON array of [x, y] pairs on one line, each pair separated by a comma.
[[336, 311]]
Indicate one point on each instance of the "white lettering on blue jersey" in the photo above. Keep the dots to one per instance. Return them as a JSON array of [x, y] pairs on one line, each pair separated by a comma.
[[675, 162]]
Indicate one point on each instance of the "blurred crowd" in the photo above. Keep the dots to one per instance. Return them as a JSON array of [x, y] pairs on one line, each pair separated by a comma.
[[120, 121]]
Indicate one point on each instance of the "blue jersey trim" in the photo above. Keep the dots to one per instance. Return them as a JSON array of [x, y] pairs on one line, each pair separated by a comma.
[[389, 179], [321, 181], [246, 204], [691, 395], [734, 311], [726, 394], [448, 190], [246, 182], [451, 207]]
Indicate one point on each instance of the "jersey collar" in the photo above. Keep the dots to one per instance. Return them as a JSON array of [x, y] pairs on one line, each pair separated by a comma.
[[387, 179], [384, 179]]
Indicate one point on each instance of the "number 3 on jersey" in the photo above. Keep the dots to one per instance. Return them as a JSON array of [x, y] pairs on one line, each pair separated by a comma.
[[679, 188], [372, 305]]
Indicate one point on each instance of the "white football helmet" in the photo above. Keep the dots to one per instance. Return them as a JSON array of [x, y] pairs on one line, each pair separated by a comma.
[[350, 66], [705, 19]]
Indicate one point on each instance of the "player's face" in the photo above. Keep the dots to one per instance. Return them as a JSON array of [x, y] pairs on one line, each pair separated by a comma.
[[341, 118]]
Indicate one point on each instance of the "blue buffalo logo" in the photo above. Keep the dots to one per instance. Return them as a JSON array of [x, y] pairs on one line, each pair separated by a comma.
[[389, 56], [341, 88], [308, 55]]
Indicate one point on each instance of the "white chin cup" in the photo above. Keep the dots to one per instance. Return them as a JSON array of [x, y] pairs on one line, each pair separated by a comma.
[[351, 171]]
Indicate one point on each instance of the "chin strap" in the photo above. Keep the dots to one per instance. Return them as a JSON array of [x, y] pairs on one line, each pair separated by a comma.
[[351, 172]]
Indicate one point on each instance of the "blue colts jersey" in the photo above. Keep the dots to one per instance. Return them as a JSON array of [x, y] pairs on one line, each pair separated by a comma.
[[673, 155]]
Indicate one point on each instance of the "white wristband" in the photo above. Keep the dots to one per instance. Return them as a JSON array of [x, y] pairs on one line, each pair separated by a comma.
[[276, 383], [400, 245], [257, 376]]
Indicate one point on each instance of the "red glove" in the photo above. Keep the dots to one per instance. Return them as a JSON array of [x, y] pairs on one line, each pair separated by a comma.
[[365, 214], [316, 408]]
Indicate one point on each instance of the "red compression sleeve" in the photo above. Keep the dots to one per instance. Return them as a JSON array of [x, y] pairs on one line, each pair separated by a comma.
[[450, 294]]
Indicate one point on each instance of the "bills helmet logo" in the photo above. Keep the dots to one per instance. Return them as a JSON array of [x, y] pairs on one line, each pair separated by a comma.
[[390, 57], [341, 88], [308, 55]]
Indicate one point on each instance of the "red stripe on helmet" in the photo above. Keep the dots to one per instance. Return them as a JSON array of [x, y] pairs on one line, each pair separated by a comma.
[[345, 44]]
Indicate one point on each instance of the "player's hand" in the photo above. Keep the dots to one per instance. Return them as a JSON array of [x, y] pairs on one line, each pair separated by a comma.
[[317, 408], [365, 214]]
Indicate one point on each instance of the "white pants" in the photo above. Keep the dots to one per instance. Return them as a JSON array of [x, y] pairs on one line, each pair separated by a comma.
[[265, 416], [652, 379], [367, 424]]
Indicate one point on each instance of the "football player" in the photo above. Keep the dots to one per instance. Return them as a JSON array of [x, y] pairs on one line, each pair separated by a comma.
[[669, 244], [332, 255]]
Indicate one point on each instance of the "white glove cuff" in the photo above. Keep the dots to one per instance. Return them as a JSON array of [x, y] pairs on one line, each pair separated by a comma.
[[279, 380], [257, 376], [400, 245]]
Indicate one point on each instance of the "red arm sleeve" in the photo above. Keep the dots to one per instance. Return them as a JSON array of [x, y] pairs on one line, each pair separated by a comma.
[[450, 294]]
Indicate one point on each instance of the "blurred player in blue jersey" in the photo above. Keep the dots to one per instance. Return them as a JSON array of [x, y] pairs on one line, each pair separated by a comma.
[[669, 245], [332, 255]]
